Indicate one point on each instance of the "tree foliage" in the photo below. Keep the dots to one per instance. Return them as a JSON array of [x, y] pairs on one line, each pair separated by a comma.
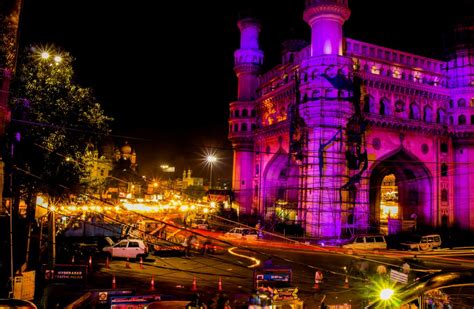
[[54, 122]]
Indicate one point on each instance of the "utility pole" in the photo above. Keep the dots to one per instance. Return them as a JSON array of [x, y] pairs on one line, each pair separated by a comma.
[[10, 11]]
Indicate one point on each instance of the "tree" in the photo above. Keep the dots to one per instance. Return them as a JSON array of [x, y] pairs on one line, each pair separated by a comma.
[[54, 121]]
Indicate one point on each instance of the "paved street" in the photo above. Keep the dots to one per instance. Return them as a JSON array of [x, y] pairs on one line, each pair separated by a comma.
[[175, 275]]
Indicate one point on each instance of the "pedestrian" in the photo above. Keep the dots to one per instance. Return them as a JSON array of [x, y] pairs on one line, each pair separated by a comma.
[[406, 268], [206, 246], [381, 270], [185, 244]]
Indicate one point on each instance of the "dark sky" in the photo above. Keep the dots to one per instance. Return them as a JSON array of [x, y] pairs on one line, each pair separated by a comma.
[[163, 69]]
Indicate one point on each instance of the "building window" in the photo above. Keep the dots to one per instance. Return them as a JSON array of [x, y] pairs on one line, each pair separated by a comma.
[[428, 114], [236, 113], [461, 119], [472, 119], [236, 128], [444, 148], [252, 113], [461, 103], [444, 170], [245, 113], [440, 116], [253, 126], [414, 111], [243, 127], [444, 195], [257, 169]]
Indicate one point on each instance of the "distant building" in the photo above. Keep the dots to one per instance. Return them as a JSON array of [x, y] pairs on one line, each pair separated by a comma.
[[125, 182], [343, 131], [188, 180]]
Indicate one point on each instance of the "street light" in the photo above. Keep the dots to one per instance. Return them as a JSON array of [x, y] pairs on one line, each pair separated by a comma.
[[211, 159]]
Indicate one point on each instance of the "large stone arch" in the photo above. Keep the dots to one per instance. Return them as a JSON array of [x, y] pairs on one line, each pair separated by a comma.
[[280, 182], [414, 182]]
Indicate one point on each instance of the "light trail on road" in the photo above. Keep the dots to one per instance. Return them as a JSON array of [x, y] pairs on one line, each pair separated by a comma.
[[256, 262]]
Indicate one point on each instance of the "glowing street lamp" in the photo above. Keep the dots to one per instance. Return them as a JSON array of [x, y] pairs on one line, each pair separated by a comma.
[[386, 294], [211, 159]]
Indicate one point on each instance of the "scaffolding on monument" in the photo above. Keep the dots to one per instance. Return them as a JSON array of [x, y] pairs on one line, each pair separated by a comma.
[[340, 201]]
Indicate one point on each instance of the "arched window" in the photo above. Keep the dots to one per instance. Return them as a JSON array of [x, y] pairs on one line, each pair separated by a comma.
[[252, 113], [451, 121], [461, 103], [236, 113], [243, 127], [414, 111], [451, 103], [245, 112], [230, 128], [236, 128], [444, 170], [440, 116], [462, 119], [385, 107], [253, 126], [428, 114], [444, 195], [369, 104], [472, 119]]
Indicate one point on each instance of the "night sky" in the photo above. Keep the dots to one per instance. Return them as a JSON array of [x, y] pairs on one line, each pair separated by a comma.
[[164, 69]]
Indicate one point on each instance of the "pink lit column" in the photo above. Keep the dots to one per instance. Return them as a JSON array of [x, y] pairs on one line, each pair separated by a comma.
[[248, 60]]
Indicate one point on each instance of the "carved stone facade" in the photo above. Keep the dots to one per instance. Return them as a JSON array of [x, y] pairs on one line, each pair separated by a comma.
[[315, 137]]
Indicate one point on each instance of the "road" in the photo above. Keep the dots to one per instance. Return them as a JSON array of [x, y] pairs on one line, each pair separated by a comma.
[[175, 275]]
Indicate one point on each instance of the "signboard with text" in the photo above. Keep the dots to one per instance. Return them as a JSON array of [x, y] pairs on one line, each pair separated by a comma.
[[66, 273]]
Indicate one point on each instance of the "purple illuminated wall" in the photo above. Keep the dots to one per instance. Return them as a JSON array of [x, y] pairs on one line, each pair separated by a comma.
[[418, 124]]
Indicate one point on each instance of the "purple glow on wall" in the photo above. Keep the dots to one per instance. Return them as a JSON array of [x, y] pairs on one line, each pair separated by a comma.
[[307, 159]]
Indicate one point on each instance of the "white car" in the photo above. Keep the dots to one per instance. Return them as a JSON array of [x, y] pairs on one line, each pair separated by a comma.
[[128, 248], [367, 242], [242, 233], [426, 242]]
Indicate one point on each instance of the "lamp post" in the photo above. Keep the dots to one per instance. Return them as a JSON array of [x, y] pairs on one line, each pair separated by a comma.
[[210, 159]]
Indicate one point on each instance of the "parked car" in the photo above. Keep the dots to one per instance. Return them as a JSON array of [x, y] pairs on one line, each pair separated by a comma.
[[423, 242], [367, 242], [128, 248], [242, 233]]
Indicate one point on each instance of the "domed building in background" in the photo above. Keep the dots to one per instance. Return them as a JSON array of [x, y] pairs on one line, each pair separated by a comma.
[[125, 182], [346, 136]]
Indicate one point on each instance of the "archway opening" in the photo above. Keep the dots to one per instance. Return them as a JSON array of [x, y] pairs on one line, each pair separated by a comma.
[[400, 194], [280, 190], [389, 209]]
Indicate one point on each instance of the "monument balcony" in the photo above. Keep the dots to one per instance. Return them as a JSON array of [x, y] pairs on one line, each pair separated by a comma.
[[403, 124]]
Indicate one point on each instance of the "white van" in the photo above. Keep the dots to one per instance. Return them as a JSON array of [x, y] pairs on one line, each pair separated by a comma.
[[425, 242], [367, 242], [242, 233]]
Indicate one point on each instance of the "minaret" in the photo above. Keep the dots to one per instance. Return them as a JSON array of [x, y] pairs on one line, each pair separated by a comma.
[[326, 116], [326, 17], [248, 61], [461, 112]]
